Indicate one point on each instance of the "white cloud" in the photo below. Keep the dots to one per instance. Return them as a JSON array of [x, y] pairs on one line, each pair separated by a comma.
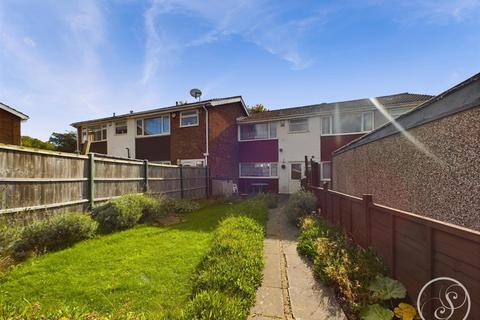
[[29, 42], [440, 11]]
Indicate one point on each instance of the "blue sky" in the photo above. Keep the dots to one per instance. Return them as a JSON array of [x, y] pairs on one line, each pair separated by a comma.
[[66, 61]]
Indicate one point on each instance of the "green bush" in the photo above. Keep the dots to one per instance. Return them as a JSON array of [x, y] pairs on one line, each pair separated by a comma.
[[226, 281], [269, 198], [300, 204], [349, 268], [57, 233], [213, 305], [178, 206], [126, 211]]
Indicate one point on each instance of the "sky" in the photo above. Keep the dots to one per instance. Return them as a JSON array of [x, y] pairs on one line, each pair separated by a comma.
[[67, 61]]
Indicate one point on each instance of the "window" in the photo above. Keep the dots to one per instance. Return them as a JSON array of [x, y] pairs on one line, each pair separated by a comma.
[[192, 162], [189, 118], [395, 113], [121, 127], [95, 134], [327, 124], [298, 125], [326, 171], [367, 121], [258, 131], [259, 169], [153, 126], [296, 171]]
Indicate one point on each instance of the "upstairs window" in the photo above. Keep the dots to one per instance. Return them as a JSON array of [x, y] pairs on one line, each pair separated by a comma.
[[395, 113], [189, 118], [353, 122], [298, 125], [367, 121], [327, 124], [121, 128], [153, 126], [258, 131], [95, 133], [258, 169]]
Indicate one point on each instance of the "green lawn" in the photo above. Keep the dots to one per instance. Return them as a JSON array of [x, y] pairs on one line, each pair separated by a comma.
[[144, 269]]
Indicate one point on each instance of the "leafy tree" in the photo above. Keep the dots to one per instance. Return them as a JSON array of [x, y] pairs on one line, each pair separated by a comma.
[[66, 142], [257, 108], [37, 143]]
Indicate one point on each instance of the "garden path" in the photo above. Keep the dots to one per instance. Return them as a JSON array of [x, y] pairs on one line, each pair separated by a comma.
[[289, 290]]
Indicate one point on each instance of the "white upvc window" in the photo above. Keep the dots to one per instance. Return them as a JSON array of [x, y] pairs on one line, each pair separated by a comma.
[[367, 121], [298, 125], [153, 126], [192, 162], [395, 113], [326, 171], [97, 133], [258, 169], [121, 128], [327, 124], [258, 131], [189, 118]]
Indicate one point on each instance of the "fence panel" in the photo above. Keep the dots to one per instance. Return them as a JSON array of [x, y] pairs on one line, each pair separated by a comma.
[[36, 183], [415, 249]]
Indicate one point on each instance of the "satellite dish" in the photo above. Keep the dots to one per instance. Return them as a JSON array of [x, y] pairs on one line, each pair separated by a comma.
[[196, 93]]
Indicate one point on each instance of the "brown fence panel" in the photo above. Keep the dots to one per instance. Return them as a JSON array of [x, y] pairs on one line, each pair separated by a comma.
[[164, 180], [415, 249]]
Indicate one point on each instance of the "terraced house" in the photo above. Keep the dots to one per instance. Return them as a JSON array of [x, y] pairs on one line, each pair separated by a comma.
[[273, 144]]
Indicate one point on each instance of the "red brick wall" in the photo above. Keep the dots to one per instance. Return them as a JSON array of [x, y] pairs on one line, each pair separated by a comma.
[[9, 128], [223, 142], [259, 151], [188, 142], [99, 147], [153, 148]]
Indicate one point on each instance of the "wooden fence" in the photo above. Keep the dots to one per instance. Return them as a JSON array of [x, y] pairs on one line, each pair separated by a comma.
[[416, 249], [34, 182]]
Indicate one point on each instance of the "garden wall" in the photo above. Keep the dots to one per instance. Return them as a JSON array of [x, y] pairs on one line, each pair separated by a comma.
[[34, 183]]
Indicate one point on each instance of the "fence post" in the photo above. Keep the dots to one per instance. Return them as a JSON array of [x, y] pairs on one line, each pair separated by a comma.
[[324, 199], [181, 181], [91, 180], [207, 182], [367, 199], [145, 178], [307, 178]]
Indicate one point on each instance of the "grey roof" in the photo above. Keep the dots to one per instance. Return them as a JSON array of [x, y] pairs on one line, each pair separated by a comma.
[[401, 99], [212, 102], [13, 111], [464, 96]]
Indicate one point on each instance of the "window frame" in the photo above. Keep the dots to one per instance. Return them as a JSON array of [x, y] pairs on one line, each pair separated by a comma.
[[301, 171], [322, 178], [191, 116], [363, 122], [202, 160], [271, 164], [350, 132], [297, 119], [330, 118], [92, 129], [126, 128], [269, 131], [161, 117]]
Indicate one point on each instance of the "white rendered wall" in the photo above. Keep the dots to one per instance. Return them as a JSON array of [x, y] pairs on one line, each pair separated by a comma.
[[117, 144], [295, 146]]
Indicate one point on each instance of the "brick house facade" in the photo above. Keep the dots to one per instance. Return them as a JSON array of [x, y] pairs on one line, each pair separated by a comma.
[[10, 125]]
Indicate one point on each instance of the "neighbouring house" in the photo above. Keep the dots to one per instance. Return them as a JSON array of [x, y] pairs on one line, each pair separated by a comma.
[[427, 162], [273, 144], [196, 134], [10, 124]]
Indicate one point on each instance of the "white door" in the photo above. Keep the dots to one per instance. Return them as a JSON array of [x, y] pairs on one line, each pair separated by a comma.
[[295, 174]]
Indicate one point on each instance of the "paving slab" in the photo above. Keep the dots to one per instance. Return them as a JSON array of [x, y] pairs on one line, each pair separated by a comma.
[[272, 274], [269, 302]]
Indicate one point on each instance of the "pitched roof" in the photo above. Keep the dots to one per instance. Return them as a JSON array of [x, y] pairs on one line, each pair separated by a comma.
[[13, 111], [212, 102], [401, 99]]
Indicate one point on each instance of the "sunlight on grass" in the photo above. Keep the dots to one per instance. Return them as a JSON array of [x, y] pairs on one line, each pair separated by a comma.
[[144, 269]]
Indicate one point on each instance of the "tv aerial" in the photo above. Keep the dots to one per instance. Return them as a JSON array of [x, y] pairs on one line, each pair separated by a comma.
[[196, 93]]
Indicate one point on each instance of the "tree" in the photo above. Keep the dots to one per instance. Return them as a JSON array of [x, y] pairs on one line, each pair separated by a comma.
[[66, 142], [37, 143], [257, 108]]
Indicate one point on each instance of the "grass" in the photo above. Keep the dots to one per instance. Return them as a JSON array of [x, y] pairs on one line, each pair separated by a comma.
[[145, 269]]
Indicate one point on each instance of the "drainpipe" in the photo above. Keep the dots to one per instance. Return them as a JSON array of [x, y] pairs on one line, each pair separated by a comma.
[[206, 135]]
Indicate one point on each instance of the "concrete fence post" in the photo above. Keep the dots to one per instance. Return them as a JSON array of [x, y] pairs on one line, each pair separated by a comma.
[[145, 177], [91, 180], [367, 200]]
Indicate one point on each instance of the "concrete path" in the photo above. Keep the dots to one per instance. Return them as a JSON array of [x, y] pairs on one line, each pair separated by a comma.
[[289, 290]]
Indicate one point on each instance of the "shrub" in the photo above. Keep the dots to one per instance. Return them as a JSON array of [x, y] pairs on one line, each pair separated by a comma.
[[225, 283], [178, 206], [57, 233], [341, 263], [269, 198], [126, 211], [300, 204]]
